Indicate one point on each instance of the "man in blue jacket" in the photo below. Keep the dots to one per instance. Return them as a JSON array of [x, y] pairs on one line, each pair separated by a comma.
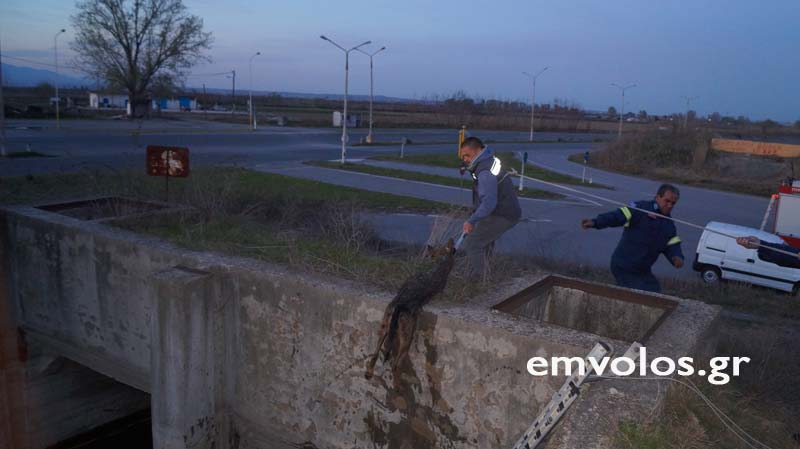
[[496, 206], [644, 238]]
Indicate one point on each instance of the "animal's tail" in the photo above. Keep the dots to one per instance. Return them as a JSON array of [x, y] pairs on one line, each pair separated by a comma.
[[391, 334]]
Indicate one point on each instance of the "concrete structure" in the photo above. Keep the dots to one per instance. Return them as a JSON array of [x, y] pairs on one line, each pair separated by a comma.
[[182, 103], [236, 353], [100, 100], [120, 101], [353, 120]]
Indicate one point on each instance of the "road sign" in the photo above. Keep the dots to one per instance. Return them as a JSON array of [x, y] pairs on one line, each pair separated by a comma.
[[167, 161], [525, 157]]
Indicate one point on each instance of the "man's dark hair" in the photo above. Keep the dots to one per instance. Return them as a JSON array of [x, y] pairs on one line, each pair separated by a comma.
[[664, 188], [472, 142]]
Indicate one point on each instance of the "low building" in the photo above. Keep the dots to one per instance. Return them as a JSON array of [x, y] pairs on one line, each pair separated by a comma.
[[182, 103], [120, 101], [102, 100]]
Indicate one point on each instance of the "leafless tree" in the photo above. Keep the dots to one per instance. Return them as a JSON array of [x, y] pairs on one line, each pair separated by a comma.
[[134, 44]]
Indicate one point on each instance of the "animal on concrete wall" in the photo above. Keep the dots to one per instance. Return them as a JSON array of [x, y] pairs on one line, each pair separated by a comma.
[[400, 318]]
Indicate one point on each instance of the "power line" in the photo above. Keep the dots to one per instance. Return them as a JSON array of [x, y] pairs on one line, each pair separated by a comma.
[[30, 61], [209, 74]]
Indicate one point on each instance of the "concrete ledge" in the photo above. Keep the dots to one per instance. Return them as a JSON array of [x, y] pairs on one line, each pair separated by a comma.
[[268, 355]]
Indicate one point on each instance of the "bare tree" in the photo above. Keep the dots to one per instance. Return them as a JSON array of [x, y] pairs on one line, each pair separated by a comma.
[[134, 44]]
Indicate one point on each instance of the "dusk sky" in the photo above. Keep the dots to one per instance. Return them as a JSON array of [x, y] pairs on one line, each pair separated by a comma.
[[739, 57]]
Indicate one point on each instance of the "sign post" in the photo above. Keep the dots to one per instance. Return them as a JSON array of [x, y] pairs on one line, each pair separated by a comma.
[[585, 163], [522, 176], [167, 162], [462, 134], [403, 146]]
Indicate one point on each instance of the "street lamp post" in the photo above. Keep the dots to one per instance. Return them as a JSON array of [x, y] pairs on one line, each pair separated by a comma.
[[622, 105], [58, 99], [686, 117], [252, 119], [346, 73], [233, 91], [371, 55], [533, 96]]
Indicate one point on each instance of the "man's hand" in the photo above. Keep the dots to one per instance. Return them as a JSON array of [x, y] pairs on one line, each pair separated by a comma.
[[467, 227], [749, 242], [677, 262], [587, 224]]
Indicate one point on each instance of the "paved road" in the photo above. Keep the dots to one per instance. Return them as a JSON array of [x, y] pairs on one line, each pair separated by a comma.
[[110, 143], [551, 228]]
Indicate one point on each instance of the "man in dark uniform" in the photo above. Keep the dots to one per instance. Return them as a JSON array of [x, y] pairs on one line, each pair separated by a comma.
[[496, 206], [645, 237]]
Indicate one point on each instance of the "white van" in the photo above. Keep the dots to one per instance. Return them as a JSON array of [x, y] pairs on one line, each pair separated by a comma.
[[719, 257]]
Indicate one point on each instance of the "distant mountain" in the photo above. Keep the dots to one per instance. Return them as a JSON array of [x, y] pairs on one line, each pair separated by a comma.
[[27, 77]]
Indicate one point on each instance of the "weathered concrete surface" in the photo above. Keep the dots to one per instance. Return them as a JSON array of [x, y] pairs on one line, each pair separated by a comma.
[[238, 353], [600, 315], [45, 398]]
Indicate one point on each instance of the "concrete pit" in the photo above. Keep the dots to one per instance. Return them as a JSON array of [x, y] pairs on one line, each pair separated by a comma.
[[603, 310]]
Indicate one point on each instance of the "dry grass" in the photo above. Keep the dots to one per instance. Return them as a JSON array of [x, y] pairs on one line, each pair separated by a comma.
[[683, 157]]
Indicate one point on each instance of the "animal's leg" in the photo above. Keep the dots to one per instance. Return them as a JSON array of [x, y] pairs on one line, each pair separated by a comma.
[[406, 327], [387, 316]]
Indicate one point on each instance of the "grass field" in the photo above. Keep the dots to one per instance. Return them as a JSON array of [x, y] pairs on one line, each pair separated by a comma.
[[423, 177], [507, 157]]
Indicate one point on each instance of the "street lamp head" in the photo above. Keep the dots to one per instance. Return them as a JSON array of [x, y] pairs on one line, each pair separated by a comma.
[[324, 38], [382, 48], [258, 53], [63, 30]]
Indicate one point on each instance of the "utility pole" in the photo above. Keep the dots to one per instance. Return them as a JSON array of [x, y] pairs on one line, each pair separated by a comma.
[[233, 92], [205, 103], [622, 105], [2, 110], [686, 117], [252, 119], [533, 96], [58, 99]]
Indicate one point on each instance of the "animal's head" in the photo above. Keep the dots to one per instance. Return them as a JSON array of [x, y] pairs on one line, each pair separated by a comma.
[[435, 252]]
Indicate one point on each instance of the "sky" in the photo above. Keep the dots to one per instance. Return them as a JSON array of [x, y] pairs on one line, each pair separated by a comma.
[[737, 57]]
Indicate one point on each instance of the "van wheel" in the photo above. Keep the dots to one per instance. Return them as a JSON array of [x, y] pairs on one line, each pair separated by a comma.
[[710, 275]]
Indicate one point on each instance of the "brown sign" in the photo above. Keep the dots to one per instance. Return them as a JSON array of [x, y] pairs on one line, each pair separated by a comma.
[[758, 148], [167, 161]]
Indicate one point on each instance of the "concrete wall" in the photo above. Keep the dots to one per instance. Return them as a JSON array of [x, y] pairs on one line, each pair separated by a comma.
[[600, 315], [237, 353]]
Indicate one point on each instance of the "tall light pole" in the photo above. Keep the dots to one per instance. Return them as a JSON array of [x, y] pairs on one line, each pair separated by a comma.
[[346, 73], [686, 117], [622, 105], [371, 55], [233, 91], [58, 99], [533, 96], [2, 110], [252, 121]]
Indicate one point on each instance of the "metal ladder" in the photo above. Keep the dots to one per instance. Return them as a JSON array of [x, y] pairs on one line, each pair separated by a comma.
[[565, 396]]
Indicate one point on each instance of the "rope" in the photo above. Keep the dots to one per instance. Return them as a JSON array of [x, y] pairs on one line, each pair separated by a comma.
[[729, 423], [676, 220]]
